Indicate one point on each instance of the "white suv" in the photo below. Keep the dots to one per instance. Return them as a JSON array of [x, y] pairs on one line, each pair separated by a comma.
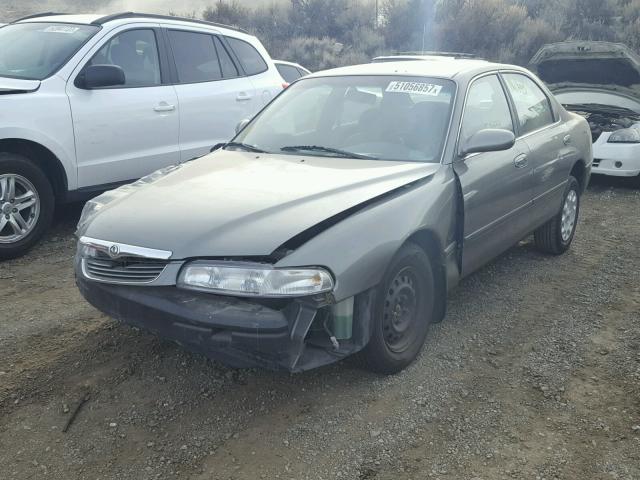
[[90, 102]]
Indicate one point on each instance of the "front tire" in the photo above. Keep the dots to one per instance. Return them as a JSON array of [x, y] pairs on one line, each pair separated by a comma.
[[403, 311], [556, 235], [26, 205]]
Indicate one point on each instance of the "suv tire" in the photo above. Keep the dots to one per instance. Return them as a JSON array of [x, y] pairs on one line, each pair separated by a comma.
[[24, 217]]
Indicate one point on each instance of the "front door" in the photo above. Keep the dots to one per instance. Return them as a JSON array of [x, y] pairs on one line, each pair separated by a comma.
[[496, 186], [123, 133]]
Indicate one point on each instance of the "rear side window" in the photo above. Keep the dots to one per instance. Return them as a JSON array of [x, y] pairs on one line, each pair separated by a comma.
[[486, 107], [195, 56], [251, 60], [532, 105], [136, 52], [229, 69], [288, 73]]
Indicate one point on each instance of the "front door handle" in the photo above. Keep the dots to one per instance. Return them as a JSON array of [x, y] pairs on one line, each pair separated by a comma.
[[164, 107], [521, 161], [243, 97], [567, 139]]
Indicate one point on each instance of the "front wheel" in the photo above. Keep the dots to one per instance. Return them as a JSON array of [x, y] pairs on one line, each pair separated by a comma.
[[403, 311], [556, 235], [26, 205]]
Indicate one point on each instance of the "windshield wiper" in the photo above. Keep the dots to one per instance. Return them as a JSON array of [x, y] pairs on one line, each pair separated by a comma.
[[245, 146], [335, 151]]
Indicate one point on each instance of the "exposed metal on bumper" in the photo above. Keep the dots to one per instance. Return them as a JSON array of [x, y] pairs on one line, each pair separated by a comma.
[[236, 332]]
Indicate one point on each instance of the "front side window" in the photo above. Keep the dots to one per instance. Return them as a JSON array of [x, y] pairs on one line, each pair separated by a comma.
[[486, 107], [376, 117], [195, 56], [35, 51], [532, 105], [249, 57], [136, 52]]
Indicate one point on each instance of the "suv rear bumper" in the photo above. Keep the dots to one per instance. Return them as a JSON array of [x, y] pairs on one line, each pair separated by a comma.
[[239, 333]]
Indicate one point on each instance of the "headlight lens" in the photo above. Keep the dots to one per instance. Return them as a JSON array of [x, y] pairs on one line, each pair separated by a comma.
[[255, 280], [627, 135]]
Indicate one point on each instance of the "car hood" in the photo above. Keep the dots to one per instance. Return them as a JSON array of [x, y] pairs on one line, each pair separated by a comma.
[[237, 204], [13, 86], [590, 65]]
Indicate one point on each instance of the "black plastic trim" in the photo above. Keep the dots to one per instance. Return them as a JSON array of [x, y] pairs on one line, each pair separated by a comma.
[[123, 15]]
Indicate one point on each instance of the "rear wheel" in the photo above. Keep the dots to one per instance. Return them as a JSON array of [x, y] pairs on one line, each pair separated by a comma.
[[403, 311], [556, 235], [26, 204]]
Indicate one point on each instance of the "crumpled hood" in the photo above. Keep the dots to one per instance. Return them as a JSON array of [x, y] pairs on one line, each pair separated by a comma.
[[588, 65], [231, 204], [13, 86]]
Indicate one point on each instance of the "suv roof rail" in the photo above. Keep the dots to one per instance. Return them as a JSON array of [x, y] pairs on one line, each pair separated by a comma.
[[442, 54], [118, 16], [36, 15]]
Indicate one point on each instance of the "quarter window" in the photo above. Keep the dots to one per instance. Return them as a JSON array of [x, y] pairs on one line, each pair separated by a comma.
[[251, 60], [486, 107], [136, 52], [532, 105]]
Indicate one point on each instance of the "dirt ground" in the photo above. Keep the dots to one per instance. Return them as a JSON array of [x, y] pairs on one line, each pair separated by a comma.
[[534, 374]]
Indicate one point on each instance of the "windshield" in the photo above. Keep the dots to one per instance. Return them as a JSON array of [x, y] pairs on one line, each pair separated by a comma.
[[376, 117], [34, 51]]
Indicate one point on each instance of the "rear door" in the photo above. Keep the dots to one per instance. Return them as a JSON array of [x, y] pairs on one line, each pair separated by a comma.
[[548, 141], [496, 186], [214, 95], [125, 132]]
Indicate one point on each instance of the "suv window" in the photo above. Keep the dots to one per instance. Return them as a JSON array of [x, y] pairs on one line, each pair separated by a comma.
[[229, 69], [136, 52], [486, 107], [195, 56], [289, 74], [532, 105], [251, 60]]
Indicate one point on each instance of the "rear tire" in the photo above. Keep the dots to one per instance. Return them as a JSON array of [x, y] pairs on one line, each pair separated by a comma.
[[403, 311], [27, 204], [556, 235]]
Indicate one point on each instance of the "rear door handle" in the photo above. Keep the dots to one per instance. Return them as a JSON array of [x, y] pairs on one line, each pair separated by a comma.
[[567, 139], [243, 97], [164, 107], [521, 161]]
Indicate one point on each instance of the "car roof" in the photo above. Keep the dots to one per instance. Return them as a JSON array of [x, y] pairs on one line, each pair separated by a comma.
[[445, 68], [124, 18]]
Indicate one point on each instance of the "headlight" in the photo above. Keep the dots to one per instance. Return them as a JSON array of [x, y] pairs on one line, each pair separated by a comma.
[[627, 135], [257, 280], [92, 207]]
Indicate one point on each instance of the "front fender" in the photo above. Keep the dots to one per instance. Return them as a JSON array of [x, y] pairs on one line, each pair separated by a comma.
[[358, 249]]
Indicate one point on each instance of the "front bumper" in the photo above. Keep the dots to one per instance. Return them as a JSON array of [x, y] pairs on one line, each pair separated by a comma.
[[238, 332], [616, 159]]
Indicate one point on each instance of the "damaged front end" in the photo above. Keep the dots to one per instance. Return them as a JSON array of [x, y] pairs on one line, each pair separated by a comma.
[[280, 334], [608, 119]]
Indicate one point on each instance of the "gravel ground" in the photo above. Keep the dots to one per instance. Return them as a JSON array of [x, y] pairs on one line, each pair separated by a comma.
[[534, 374]]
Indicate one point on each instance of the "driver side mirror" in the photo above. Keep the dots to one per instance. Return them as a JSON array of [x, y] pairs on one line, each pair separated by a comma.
[[100, 76], [488, 140], [243, 123]]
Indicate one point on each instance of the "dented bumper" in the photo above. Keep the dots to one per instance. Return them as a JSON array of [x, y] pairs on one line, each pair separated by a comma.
[[240, 333]]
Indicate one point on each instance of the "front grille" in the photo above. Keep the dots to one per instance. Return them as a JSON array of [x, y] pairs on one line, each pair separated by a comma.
[[124, 269]]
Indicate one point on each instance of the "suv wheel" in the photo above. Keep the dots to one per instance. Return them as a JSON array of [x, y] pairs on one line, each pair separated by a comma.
[[26, 204], [556, 235], [404, 308]]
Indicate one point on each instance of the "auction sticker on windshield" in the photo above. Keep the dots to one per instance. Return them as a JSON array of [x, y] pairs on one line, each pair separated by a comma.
[[61, 29], [417, 88]]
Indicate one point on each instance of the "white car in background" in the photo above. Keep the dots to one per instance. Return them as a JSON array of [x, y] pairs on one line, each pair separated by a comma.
[[290, 72], [601, 82], [88, 102]]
